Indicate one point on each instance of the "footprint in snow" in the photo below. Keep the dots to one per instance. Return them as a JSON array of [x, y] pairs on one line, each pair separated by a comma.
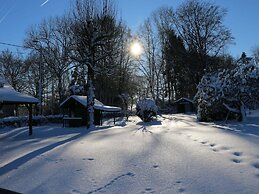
[[225, 148], [204, 142], [212, 144], [237, 161], [90, 159], [148, 190], [237, 153], [256, 165], [75, 191], [155, 166], [181, 190]]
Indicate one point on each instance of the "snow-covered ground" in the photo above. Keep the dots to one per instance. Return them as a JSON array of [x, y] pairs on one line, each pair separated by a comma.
[[174, 154]]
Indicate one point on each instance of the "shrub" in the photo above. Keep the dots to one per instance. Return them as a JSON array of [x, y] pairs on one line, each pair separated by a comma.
[[146, 109]]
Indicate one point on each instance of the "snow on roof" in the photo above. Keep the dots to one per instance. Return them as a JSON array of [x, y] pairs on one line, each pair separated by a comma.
[[9, 95], [97, 104]]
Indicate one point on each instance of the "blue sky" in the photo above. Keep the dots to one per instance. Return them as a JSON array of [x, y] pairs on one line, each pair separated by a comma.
[[16, 16]]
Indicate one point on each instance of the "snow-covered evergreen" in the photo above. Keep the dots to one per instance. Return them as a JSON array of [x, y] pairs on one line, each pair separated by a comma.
[[2, 80], [228, 90]]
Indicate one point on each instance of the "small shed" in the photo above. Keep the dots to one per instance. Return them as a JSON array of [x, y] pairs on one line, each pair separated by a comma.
[[76, 108], [8, 96], [183, 105]]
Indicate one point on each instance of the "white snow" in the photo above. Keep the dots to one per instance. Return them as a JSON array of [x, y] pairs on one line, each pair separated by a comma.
[[8, 94], [97, 104], [173, 154]]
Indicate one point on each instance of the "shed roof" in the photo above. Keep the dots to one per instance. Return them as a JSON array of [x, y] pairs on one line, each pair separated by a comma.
[[97, 104], [10, 96], [183, 100]]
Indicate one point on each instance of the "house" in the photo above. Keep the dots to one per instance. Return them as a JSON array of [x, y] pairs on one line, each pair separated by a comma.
[[9, 97], [76, 108], [183, 105]]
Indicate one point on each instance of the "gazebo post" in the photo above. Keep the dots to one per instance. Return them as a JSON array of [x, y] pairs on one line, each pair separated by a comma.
[[101, 118], [30, 119]]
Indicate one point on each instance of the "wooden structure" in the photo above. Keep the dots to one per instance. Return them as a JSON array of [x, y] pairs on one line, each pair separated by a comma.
[[8, 96], [75, 107], [183, 105]]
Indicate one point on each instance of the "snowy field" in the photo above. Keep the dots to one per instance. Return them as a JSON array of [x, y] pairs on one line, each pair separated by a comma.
[[174, 154]]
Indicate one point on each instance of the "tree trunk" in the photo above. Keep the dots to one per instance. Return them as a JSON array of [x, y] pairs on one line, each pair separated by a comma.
[[60, 90], [243, 112], [90, 99]]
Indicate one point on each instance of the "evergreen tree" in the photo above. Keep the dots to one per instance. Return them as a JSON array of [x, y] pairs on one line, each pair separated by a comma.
[[228, 90]]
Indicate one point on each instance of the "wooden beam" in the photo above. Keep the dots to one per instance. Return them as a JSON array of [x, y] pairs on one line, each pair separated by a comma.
[[30, 119]]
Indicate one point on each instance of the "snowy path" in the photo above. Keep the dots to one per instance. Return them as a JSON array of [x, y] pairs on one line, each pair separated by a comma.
[[172, 155]]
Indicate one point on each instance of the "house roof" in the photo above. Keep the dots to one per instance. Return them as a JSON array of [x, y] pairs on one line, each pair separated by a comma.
[[10, 96], [183, 100], [97, 104]]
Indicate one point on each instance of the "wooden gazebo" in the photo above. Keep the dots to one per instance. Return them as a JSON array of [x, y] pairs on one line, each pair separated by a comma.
[[8, 96]]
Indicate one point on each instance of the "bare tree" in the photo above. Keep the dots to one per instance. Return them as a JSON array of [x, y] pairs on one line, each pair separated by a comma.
[[200, 24], [94, 29], [151, 63], [13, 68], [51, 39]]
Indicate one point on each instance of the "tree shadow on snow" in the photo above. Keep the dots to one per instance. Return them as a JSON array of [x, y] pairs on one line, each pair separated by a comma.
[[144, 125], [60, 136]]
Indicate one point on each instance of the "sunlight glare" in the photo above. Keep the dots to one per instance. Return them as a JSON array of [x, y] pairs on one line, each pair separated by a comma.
[[136, 49]]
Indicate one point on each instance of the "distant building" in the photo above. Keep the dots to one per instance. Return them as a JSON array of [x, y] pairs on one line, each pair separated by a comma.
[[75, 107], [183, 105]]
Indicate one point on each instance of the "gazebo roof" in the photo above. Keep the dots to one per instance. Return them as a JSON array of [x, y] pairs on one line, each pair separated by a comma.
[[83, 101], [9, 96]]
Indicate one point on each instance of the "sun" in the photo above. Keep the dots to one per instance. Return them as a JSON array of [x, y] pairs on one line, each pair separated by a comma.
[[136, 49]]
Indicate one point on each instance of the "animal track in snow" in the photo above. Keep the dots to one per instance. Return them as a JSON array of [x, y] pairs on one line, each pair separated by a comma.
[[148, 190], [155, 166], [181, 190], [129, 174], [224, 148], [256, 165], [237, 161], [212, 144], [238, 153], [75, 191]]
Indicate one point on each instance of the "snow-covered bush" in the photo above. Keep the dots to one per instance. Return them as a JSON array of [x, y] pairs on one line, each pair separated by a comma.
[[228, 91], [23, 120], [146, 109]]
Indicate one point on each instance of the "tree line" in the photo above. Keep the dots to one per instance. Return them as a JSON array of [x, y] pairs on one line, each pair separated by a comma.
[[86, 52]]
